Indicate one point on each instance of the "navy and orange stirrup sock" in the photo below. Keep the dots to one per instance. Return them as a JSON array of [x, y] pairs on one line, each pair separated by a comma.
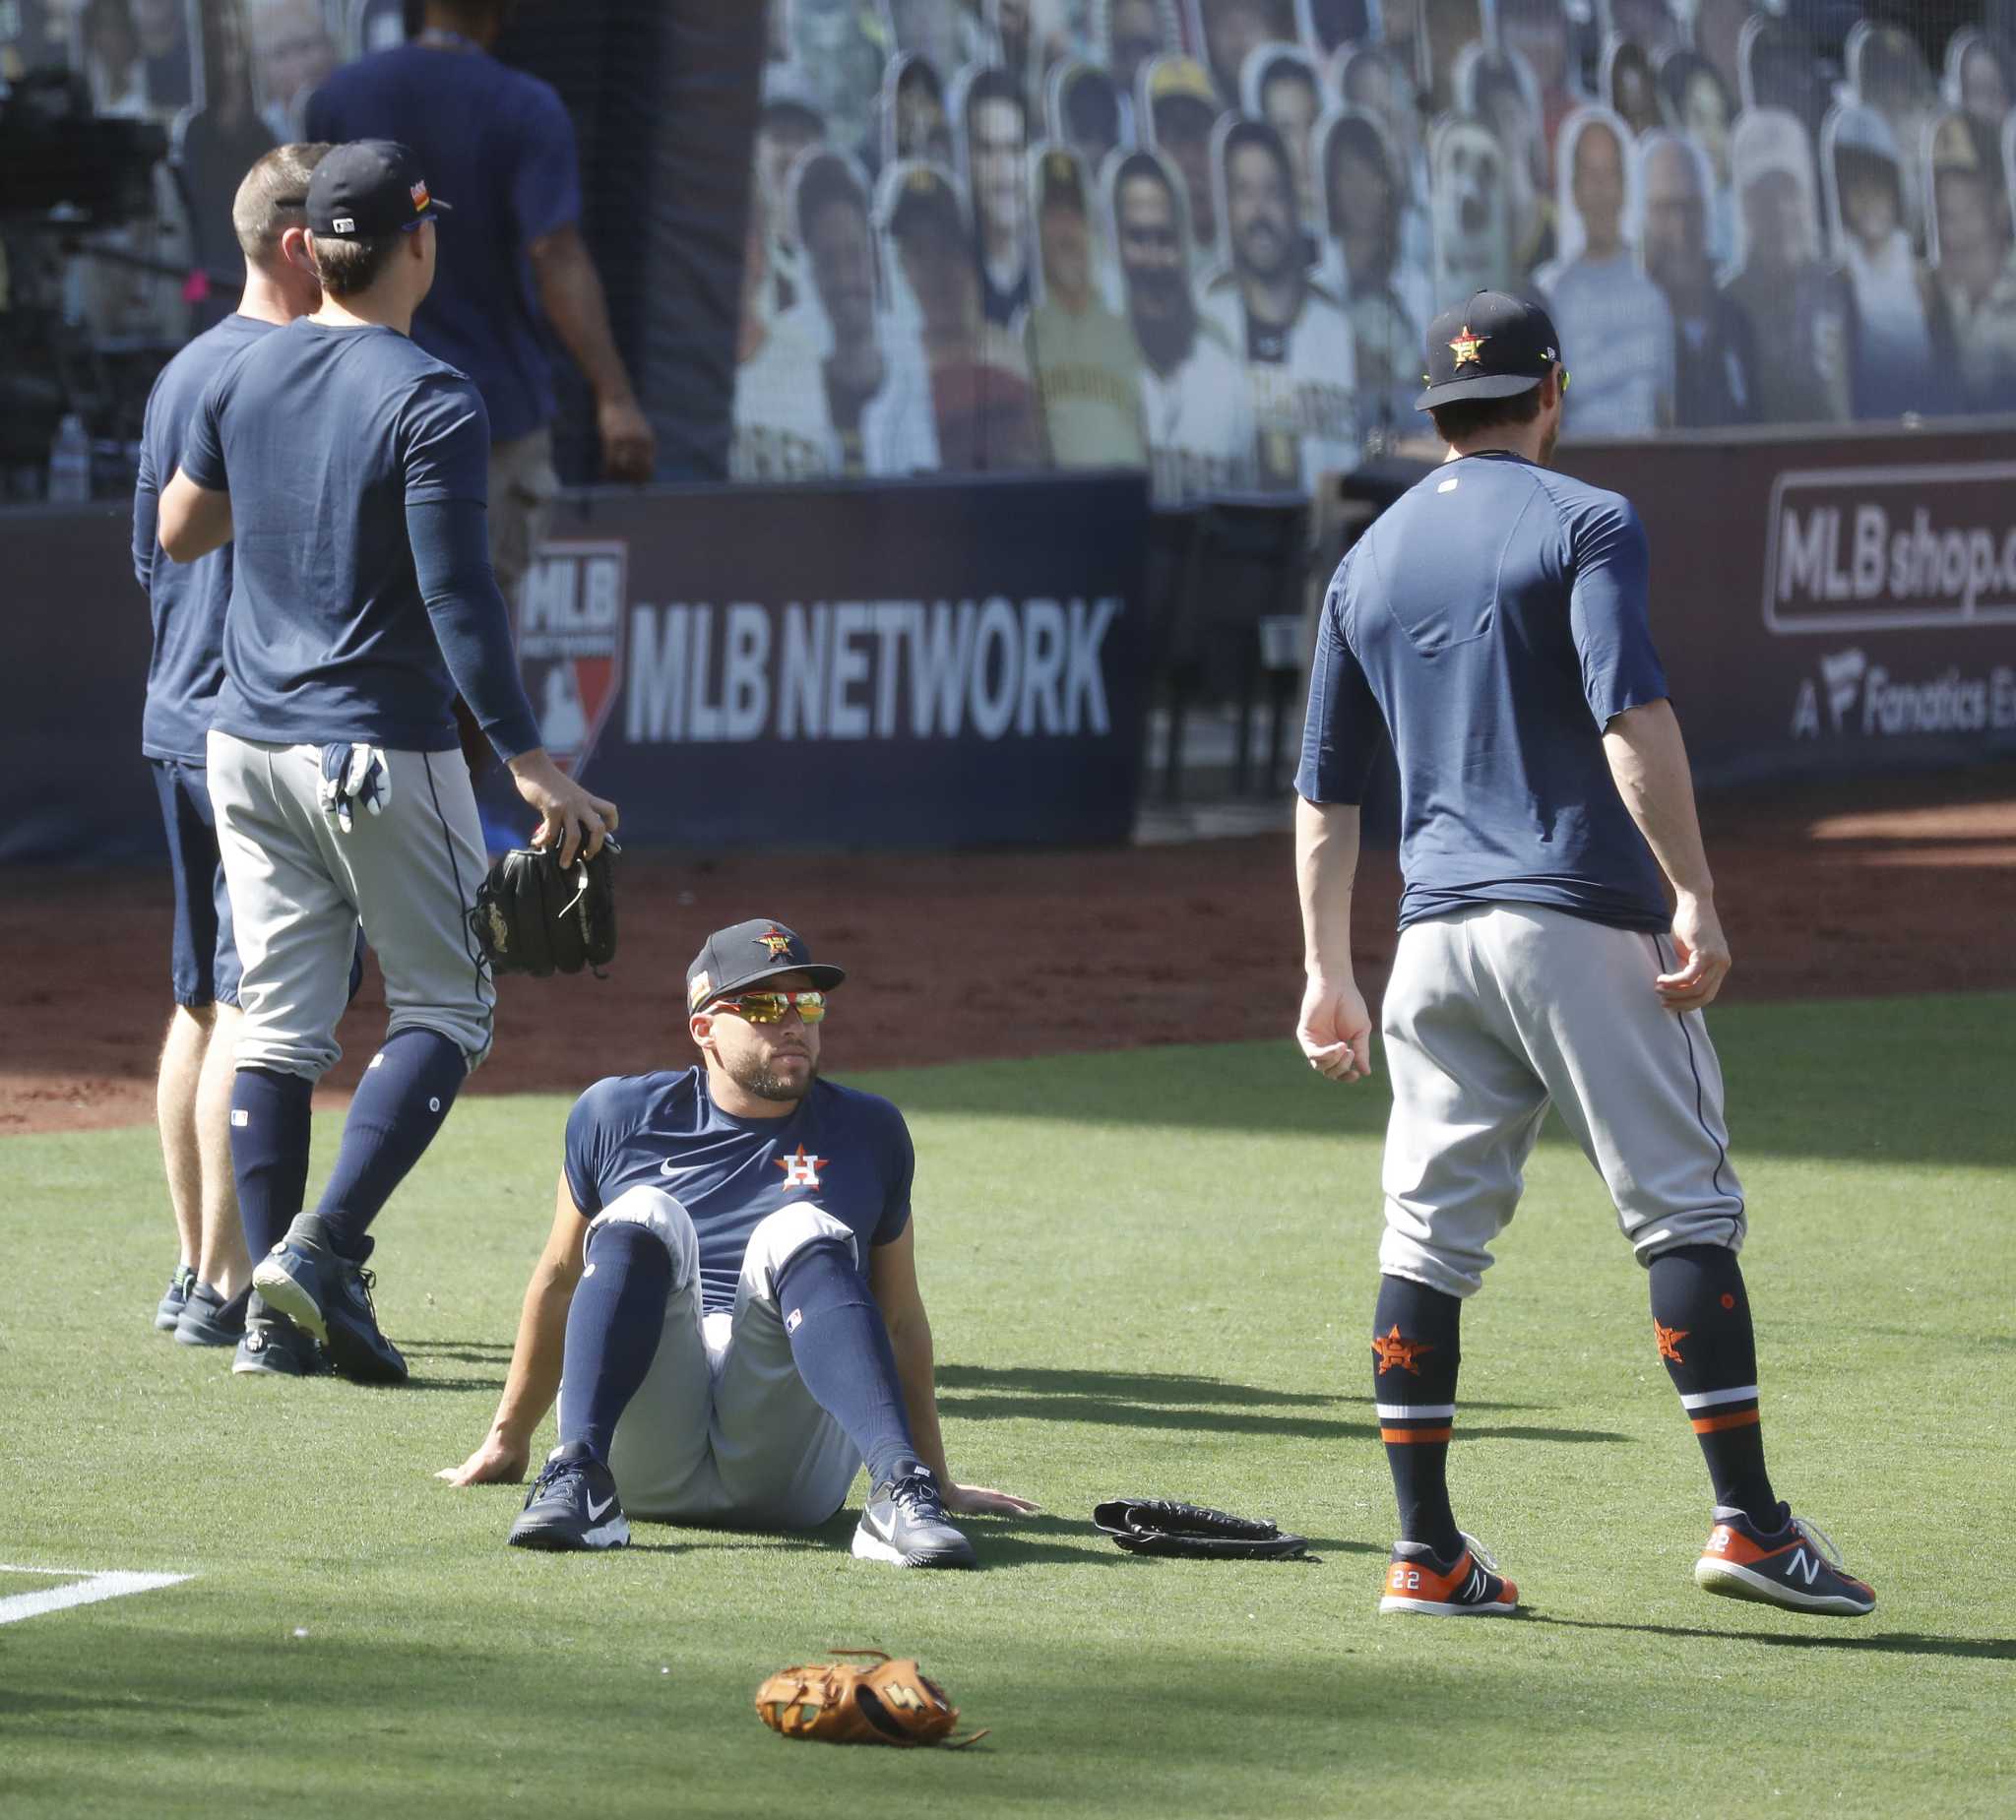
[[1415, 1356], [1701, 1324]]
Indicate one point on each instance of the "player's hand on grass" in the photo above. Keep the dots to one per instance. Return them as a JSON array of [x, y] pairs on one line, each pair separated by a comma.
[[1336, 1031], [570, 818], [984, 1501], [629, 443], [498, 1462], [1704, 956]]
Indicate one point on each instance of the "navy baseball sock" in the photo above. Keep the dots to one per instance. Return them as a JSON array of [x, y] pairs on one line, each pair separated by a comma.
[[841, 1346], [612, 1330], [269, 1153], [398, 1105], [1416, 1350], [1701, 1323]]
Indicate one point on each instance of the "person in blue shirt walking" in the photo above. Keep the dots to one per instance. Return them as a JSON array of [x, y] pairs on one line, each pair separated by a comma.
[[1559, 941], [205, 1300], [500, 143], [348, 467], [727, 1304]]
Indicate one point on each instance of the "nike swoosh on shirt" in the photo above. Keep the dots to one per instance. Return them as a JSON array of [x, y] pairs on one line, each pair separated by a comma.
[[594, 1510], [668, 1169]]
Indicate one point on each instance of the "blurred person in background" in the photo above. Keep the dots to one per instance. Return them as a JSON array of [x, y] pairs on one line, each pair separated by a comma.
[[1448, 28], [1129, 33], [1977, 80], [1646, 24], [1603, 304], [1302, 363], [1795, 304], [876, 394], [1280, 87], [1890, 74], [1181, 107], [219, 145], [163, 29], [1085, 112], [1890, 350], [994, 148], [779, 429], [1369, 80], [1229, 31], [1387, 302], [1694, 103], [949, 33], [915, 124], [789, 123], [1628, 88], [1495, 87], [982, 404], [1715, 377], [501, 143], [1717, 37], [112, 60], [1473, 220], [840, 45], [1198, 419], [1084, 358], [1974, 265], [1537, 32], [293, 55]]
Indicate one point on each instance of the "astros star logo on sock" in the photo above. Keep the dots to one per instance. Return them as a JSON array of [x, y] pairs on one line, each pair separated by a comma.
[[800, 1171], [1670, 1338], [1397, 1354]]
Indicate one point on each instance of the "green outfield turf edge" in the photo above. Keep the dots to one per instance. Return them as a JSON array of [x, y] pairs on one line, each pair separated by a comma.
[[1149, 1271]]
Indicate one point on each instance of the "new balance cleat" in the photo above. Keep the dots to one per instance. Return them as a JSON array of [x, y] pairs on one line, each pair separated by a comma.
[[276, 1348], [1469, 1587], [904, 1523], [170, 1309], [1796, 1567], [572, 1505], [209, 1320], [329, 1298]]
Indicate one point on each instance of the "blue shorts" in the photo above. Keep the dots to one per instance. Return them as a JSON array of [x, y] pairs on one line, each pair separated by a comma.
[[204, 966]]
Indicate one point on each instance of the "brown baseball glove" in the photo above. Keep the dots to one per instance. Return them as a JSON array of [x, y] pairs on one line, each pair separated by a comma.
[[890, 1703]]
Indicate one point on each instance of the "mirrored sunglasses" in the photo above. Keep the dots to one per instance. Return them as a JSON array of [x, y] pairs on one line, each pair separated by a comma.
[[771, 1007]]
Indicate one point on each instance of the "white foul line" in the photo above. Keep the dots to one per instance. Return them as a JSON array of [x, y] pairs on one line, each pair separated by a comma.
[[83, 1592]]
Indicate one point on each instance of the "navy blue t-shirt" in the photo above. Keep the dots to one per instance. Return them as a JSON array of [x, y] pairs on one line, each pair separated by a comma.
[[498, 146], [187, 600], [1494, 620], [846, 1150], [323, 437]]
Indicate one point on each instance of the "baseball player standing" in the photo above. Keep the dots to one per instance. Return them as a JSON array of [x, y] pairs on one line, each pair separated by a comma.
[[349, 468], [730, 1286], [1495, 618], [205, 1300]]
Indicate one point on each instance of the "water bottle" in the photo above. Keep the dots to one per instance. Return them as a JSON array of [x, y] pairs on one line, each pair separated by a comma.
[[70, 463]]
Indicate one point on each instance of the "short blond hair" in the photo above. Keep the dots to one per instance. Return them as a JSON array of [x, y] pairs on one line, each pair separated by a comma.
[[273, 197]]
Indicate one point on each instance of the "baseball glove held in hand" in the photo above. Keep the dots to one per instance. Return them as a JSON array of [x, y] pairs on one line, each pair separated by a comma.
[[532, 917], [836, 1703]]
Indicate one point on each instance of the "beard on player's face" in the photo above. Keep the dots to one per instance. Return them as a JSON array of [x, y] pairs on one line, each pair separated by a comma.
[[778, 1079]]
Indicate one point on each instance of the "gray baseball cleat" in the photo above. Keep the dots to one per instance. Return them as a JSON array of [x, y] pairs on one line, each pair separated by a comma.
[[904, 1523]]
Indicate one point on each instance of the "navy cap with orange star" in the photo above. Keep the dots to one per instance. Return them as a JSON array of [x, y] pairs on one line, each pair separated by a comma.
[[1495, 345], [735, 959]]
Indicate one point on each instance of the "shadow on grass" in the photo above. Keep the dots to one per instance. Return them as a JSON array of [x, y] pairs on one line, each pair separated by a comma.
[[470, 1352], [1177, 1400], [432, 1383], [1889, 1642]]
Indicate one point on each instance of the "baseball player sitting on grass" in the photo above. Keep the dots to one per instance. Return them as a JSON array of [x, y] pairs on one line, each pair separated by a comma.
[[1494, 619], [349, 470], [727, 1302]]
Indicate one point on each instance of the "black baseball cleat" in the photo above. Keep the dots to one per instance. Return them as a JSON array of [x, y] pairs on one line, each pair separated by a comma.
[[1794, 1566], [174, 1297], [209, 1320], [329, 1298], [904, 1523], [274, 1347], [572, 1505]]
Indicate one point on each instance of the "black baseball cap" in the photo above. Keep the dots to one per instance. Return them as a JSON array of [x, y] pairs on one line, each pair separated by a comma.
[[733, 960], [1492, 346], [369, 188]]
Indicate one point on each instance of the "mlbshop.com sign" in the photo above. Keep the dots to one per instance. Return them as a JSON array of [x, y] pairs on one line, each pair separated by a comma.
[[941, 664]]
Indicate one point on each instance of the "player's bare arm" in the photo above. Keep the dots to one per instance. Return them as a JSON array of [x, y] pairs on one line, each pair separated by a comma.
[[570, 818], [1648, 758], [1335, 1028], [893, 1281], [194, 520], [533, 1380], [570, 294]]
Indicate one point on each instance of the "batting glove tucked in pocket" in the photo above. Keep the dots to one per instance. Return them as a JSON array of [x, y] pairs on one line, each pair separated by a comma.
[[352, 774]]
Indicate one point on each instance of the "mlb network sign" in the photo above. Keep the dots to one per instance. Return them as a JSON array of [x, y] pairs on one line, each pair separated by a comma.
[[1871, 549]]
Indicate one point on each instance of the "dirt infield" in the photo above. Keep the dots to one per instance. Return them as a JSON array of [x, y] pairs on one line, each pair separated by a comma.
[[1905, 886]]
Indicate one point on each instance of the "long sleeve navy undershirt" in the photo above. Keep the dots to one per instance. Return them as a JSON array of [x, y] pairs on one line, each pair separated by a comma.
[[452, 563]]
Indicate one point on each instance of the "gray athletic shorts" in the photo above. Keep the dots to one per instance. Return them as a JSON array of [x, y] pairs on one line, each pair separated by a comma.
[[299, 886], [1496, 1013], [724, 1429]]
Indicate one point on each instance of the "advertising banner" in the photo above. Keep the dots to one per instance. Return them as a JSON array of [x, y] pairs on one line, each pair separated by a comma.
[[1846, 605]]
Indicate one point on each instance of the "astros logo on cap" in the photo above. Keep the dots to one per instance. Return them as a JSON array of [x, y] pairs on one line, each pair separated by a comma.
[[1465, 348], [418, 193], [777, 941]]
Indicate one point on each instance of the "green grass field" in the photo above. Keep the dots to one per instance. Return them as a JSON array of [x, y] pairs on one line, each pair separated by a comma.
[[1148, 1272]]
